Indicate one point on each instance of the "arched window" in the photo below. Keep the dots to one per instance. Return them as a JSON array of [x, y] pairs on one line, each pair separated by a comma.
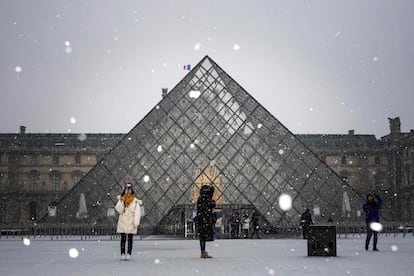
[[34, 180], [76, 176], [55, 179], [407, 174], [33, 209]]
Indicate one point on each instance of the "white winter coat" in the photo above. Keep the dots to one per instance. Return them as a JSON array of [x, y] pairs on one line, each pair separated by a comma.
[[246, 224], [129, 218]]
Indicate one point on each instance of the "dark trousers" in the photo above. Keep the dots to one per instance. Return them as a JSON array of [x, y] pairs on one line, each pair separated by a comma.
[[255, 231], [203, 246], [369, 235], [245, 233], [305, 231], [123, 241], [234, 231]]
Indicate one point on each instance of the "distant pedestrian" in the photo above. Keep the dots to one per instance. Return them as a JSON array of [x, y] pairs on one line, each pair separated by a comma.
[[218, 227], [128, 207], [246, 225], [205, 218], [371, 209], [305, 222], [234, 225], [255, 225]]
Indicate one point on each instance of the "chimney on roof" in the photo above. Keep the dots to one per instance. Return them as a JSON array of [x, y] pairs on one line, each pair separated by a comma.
[[351, 132], [22, 129], [395, 125], [164, 92]]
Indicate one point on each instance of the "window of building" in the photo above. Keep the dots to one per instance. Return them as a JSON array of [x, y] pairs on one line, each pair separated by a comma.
[[77, 176], [33, 209], [343, 159], [13, 159], [406, 152], [34, 180], [407, 174], [55, 178], [379, 180], [34, 160], [12, 178], [77, 159], [55, 158], [363, 159]]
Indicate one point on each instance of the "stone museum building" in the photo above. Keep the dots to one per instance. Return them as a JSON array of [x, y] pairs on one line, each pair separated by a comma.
[[206, 131]]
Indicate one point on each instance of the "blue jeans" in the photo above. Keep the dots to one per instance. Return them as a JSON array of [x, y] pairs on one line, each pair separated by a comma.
[[203, 246]]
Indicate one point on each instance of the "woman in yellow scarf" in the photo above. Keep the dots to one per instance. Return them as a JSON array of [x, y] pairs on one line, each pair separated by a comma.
[[128, 207]]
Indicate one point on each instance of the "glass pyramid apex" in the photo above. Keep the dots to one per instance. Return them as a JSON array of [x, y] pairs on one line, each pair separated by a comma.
[[209, 131]]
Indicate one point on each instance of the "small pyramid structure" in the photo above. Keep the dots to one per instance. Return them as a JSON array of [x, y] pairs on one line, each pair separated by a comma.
[[209, 122]]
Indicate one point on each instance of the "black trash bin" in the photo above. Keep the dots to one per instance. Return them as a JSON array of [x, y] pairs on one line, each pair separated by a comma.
[[322, 240]]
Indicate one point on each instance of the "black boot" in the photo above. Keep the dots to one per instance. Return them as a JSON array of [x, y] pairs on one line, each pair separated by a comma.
[[375, 242]]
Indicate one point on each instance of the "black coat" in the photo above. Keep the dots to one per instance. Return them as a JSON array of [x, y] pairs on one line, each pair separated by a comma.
[[205, 216], [306, 219]]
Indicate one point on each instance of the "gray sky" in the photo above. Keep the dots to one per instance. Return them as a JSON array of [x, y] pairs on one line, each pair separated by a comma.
[[99, 65]]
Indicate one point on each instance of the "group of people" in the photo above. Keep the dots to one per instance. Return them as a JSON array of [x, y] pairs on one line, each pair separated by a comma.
[[244, 222], [129, 210]]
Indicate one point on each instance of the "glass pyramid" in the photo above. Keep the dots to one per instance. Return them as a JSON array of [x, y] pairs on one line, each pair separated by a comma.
[[209, 130]]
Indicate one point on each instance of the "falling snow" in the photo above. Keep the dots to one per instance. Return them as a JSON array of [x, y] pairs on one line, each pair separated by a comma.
[[285, 202], [82, 137], [68, 48], [376, 226], [26, 241], [197, 46], [181, 257], [73, 253]]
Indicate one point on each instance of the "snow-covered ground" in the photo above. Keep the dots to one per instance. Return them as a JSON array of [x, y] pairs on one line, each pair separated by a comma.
[[181, 257]]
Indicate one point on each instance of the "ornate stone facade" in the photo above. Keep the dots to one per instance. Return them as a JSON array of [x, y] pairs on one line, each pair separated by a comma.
[[36, 170]]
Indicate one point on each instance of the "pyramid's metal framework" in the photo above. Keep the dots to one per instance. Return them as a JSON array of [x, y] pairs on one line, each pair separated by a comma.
[[208, 122]]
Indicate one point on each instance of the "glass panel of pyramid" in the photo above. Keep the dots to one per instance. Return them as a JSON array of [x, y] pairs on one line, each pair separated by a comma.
[[209, 131]]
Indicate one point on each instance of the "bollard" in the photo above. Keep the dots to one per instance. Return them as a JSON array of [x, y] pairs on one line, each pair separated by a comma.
[[322, 240]]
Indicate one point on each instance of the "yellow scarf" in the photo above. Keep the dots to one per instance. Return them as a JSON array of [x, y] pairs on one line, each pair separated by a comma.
[[127, 199]]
